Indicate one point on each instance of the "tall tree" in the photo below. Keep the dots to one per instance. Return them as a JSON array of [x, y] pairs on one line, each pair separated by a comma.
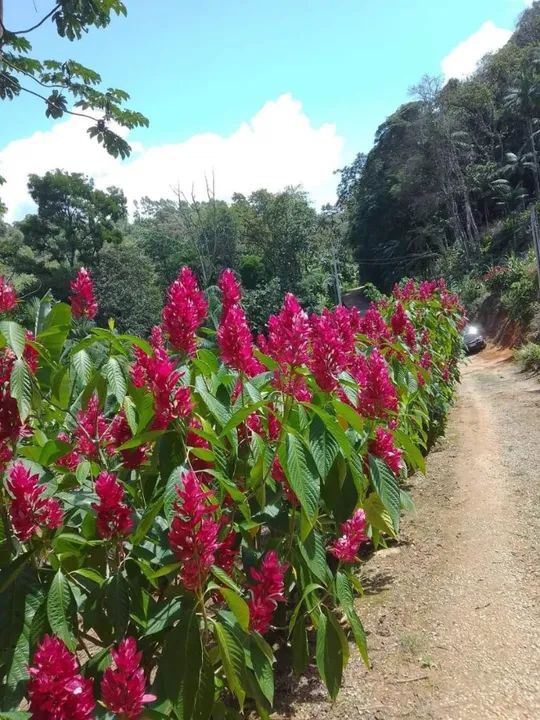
[[57, 82]]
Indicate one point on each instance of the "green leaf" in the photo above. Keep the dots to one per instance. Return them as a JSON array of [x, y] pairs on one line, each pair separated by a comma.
[[232, 658], [117, 603], [115, 377], [21, 387], [333, 426], [82, 365], [377, 515], [222, 576], [147, 520], [349, 414], [90, 574], [329, 653], [218, 410], [314, 553], [240, 415], [180, 666], [238, 606], [15, 336], [323, 446], [412, 451], [386, 487], [299, 646], [262, 669], [9, 573], [58, 609], [302, 475]]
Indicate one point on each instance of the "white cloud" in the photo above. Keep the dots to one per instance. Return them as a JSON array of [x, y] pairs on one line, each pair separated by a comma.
[[464, 58], [278, 146]]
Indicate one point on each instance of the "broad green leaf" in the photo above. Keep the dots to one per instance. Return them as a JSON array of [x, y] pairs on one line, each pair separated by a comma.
[[117, 604], [181, 663], [222, 576], [115, 378], [412, 451], [377, 515], [232, 658], [262, 669], [10, 572], [323, 446], [349, 414], [386, 487], [302, 475], [238, 606], [146, 522], [82, 366], [329, 653], [240, 415], [333, 426], [313, 551], [15, 336], [299, 646], [218, 410], [21, 387], [59, 608], [346, 599]]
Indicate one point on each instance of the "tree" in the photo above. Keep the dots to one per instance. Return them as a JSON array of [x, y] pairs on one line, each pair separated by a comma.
[[74, 220], [127, 289], [55, 82]]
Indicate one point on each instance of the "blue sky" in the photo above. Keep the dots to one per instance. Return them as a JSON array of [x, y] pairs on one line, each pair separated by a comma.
[[195, 67]]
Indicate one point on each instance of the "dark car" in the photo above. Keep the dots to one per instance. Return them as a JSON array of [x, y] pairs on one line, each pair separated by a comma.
[[473, 339]]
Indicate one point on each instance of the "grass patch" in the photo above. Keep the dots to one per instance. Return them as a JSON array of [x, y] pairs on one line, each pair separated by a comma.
[[528, 357]]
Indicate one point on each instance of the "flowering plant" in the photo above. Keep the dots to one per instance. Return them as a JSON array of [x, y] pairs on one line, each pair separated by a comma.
[[174, 509]]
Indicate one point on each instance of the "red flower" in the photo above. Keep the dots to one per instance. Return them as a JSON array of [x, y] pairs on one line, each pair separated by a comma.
[[28, 510], [83, 302], [5, 455], [158, 374], [31, 355], [8, 296], [231, 292], [118, 433], [72, 458], [194, 440], [236, 343], [184, 312], [289, 334], [91, 429], [353, 534], [10, 421], [373, 325], [193, 536], [266, 591], [383, 447], [123, 684], [227, 551], [57, 690], [377, 393], [113, 516], [333, 344], [426, 361]]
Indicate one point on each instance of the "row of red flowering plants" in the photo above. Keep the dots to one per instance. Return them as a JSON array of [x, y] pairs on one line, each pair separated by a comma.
[[175, 509]]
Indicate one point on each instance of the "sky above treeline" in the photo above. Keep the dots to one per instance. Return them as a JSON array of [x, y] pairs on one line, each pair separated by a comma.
[[255, 93]]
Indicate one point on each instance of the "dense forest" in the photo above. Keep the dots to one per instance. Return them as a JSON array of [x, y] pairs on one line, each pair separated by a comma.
[[446, 188]]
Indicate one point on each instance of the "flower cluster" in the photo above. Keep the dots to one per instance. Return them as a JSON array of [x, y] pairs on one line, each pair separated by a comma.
[[383, 447], [83, 301], [333, 336], [123, 686], [234, 336], [57, 690], [353, 534], [158, 373], [193, 535], [114, 518], [266, 591], [377, 396], [8, 296], [184, 312], [29, 511]]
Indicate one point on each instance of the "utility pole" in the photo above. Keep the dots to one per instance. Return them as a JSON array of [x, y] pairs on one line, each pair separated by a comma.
[[536, 240]]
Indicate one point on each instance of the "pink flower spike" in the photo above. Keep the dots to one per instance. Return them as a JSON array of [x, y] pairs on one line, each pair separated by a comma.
[[57, 690], [29, 511], [83, 302], [123, 684], [353, 534], [267, 590], [114, 518], [184, 312], [8, 296]]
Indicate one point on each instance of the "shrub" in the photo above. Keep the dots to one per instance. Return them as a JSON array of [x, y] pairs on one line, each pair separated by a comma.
[[528, 357], [173, 510]]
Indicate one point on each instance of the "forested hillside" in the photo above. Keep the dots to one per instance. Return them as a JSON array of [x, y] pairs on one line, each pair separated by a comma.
[[452, 171]]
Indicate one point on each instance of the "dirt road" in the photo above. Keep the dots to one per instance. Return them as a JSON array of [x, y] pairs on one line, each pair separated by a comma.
[[453, 612]]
